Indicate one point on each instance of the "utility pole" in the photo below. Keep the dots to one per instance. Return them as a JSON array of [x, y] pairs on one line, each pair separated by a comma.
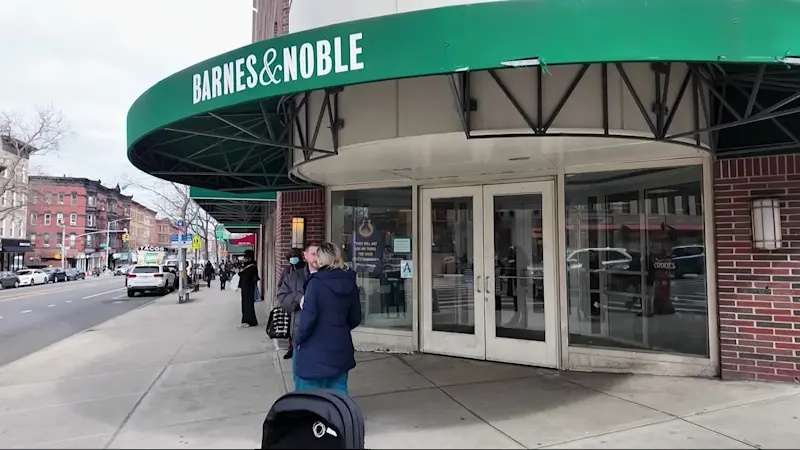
[[63, 244]]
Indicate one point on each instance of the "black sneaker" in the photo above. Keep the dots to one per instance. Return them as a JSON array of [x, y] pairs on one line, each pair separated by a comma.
[[289, 354]]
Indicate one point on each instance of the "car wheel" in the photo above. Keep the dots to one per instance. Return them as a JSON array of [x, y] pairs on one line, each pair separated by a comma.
[[16, 284], [131, 293]]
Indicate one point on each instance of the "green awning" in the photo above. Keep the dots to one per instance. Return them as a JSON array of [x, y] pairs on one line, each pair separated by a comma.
[[237, 227], [226, 123], [246, 208]]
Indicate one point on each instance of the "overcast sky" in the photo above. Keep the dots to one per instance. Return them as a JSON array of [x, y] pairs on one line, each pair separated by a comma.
[[91, 59]]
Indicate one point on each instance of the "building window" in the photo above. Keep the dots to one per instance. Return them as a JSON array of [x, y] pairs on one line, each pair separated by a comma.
[[60, 198], [72, 238], [90, 220], [52, 196], [46, 242], [21, 229], [636, 281], [46, 219], [14, 200], [73, 219], [32, 238], [4, 199], [73, 198], [90, 200], [3, 228], [89, 241], [373, 229], [13, 227], [59, 219], [59, 239], [33, 218]]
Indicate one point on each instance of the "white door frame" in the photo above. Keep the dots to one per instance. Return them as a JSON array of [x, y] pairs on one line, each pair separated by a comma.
[[484, 344], [445, 343], [537, 353]]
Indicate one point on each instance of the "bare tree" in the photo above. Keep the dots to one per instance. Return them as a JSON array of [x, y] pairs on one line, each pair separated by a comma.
[[22, 136], [203, 226]]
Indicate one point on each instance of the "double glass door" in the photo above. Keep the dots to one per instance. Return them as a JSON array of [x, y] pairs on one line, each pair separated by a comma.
[[488, 273]]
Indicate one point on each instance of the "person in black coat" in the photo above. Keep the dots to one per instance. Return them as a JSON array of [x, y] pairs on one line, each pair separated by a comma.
[[208, 272], [248, 282]]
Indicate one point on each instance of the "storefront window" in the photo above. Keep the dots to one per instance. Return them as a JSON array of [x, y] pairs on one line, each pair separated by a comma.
[[636, 260], [373, 227]]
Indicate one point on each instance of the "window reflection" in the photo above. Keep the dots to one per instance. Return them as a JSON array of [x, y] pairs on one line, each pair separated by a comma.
[[636, 261], [373, 227]]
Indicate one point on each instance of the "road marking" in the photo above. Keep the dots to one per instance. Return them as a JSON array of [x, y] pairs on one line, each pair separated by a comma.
[[27, 311], [69, 301], [103, 293], [42, 289], [50, 306]]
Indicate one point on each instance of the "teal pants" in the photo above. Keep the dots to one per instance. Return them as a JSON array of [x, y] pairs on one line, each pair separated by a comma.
[[338, 382]]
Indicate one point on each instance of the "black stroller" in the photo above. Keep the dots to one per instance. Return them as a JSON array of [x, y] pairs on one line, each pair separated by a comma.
[[316, 419]]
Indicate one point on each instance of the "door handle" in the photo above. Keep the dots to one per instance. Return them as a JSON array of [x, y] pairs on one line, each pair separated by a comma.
[[478, 283], [486, 284]]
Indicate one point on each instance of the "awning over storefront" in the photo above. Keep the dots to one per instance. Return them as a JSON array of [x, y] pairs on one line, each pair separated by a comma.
[[249, 239], [226, 207], [15, 245], [241, 227], [228, 123]]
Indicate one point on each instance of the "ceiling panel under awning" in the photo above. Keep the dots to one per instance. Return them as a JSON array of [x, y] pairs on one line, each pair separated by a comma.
[[248, 209]]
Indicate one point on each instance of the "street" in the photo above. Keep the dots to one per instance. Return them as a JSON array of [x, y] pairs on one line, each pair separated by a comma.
[[32, 318]]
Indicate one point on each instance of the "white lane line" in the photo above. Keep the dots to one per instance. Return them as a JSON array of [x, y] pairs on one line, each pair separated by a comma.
[[69, 301], [1, 317], [51, 306], [27, 311], [103, 293]]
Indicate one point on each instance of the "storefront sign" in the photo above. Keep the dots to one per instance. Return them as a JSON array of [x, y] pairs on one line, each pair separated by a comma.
[[401, 245], [406, 269], [150, 248], [366, 248], [311, 59]]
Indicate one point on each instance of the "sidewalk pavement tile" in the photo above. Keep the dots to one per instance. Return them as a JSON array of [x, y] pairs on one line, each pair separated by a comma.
[[674, 433], [769, 424], [96, 441], [62, 422], [447, 371], [384, 375], [242, 431], [680, 396], [29, 396], [426, 419], [546, 410]]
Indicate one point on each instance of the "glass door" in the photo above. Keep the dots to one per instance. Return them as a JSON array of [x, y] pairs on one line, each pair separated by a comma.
[[488, 273], [452, 287], [519, 260]]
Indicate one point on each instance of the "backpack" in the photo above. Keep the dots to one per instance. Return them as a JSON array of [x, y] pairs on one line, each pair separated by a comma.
[[314, 419], [279, 324]]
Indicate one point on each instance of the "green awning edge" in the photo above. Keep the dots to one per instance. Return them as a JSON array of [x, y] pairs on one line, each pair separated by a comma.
[[446, 40], [198, 193]]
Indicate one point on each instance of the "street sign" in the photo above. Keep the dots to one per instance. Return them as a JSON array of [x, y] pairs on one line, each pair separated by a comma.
[[102, 245], [125, 237], [181, 240], [180, 223], [196, 242], [219, 232]]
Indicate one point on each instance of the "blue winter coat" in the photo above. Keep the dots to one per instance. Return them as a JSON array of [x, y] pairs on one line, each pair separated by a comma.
[[331, 309]]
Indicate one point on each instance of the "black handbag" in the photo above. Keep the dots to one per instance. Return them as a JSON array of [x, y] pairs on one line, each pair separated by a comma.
[[279, 324]]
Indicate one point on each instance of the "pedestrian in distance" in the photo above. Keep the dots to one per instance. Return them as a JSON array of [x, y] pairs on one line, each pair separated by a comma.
[[292, 283], [223, 276], [330, 310], [208, 272], [248, 286]]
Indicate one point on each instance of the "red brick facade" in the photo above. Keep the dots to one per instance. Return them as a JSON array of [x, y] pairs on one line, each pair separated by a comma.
[[308, 204], [759, 290]]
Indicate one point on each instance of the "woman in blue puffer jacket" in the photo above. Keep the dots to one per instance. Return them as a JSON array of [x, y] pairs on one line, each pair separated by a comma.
[[330, 309]]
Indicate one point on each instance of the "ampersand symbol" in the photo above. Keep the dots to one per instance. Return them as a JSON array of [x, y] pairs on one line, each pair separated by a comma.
[[267, 75]]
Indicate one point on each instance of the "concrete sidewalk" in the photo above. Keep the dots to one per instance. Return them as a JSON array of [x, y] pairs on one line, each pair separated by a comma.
[[183, 376]]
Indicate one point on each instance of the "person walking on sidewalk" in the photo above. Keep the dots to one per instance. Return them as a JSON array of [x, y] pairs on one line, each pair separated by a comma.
[[223, 276], [292, 283], [330, 310], [248, 280], [208, 272]]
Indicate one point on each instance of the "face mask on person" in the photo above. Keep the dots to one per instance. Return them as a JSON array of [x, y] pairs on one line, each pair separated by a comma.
[[294, 260]]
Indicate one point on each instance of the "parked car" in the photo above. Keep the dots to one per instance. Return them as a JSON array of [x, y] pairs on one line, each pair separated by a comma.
[[9, 280], [122, 270], [688, 259], [55, 274], [29, 277], [143, 278], [75, 274]]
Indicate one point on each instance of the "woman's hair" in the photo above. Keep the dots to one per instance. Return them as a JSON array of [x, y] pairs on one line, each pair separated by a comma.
[[249, 255], [329, 255]]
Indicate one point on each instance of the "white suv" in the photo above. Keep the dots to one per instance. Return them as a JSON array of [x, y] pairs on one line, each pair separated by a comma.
[[150, 278]]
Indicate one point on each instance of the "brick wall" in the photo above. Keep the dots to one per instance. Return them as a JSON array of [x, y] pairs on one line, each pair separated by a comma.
[[759, 290], [308, 204], [270, 18]]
